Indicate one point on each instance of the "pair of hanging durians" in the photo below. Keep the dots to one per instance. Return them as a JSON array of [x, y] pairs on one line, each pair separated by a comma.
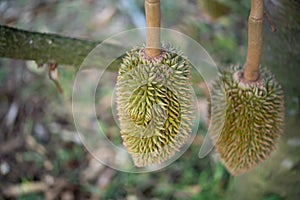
[[156, 108]]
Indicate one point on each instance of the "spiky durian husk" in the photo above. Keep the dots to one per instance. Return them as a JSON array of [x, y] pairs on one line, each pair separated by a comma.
[[246, 118], [155, 104]]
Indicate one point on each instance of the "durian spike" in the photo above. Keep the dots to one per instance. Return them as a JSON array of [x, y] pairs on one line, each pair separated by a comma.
[[152, 10], [255, 39]]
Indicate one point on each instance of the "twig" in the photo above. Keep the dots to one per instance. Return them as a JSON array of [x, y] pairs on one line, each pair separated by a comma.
[[270, 21], [54, 191], [53, 69], [34, 145], [24, 188]]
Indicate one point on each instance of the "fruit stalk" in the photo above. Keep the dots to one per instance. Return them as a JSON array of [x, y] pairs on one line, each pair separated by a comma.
[[255, 38], [152, 10]]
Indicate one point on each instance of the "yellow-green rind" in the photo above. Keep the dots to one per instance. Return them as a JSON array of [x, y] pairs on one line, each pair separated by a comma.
[[246, 118], [155, 104]]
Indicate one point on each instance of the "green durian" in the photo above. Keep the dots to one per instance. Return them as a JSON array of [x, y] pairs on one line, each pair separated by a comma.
[[155, 104], [246, 118]]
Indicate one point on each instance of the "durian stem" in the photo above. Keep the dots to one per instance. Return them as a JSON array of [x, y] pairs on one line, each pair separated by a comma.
[[255, 38], [152, 10]]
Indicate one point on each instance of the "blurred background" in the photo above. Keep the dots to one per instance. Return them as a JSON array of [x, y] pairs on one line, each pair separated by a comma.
[[41, 156]]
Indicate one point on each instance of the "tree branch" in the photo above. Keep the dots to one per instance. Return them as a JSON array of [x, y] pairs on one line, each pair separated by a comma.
[[45, 47]]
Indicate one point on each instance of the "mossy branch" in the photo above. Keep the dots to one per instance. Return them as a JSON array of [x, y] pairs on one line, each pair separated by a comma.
[[255, 39], [45, 47]]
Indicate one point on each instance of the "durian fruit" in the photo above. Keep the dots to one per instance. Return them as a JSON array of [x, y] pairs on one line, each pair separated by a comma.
[[155, 104], [246, 118], [247, 108], [154, 97]]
